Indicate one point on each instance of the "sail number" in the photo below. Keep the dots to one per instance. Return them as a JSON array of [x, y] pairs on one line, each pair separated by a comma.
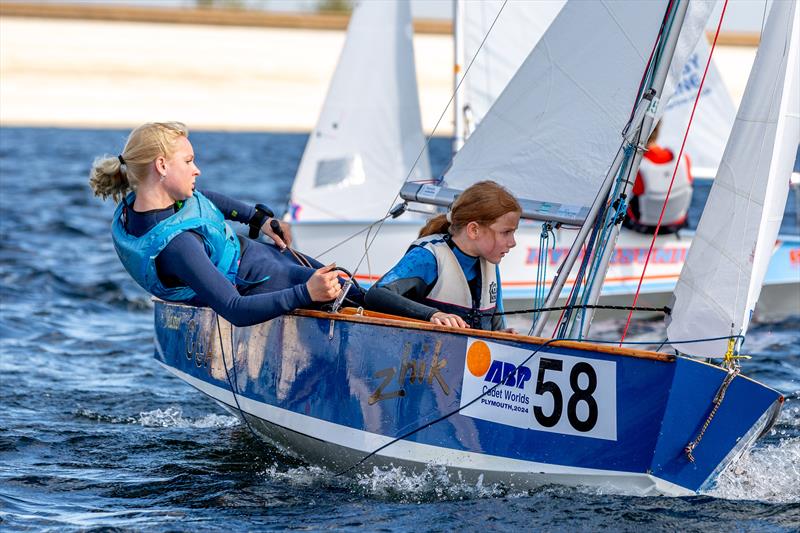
[[581, 393], [575, 396]]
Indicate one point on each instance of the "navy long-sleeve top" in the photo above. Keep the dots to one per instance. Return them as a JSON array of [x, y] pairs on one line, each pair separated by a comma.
[[269, 282]]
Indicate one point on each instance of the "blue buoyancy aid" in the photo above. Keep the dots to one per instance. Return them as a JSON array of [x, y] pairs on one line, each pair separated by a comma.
[[451, 292], [199, 215]]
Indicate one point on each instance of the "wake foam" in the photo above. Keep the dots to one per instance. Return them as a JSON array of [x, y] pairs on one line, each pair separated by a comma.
[[393, 484], [173, 417], [768, 473]]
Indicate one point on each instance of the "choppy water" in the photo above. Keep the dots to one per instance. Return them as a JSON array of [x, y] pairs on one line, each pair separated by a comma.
[[94, 434]]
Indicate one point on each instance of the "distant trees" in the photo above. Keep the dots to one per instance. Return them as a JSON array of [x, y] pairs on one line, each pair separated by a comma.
[[227, 4], [322, 6], [335, 6]]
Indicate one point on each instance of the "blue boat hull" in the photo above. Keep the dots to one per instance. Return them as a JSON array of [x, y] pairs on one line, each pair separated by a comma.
[[333, 391]]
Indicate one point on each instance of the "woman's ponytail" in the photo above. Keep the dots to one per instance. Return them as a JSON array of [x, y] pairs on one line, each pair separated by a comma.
[[108, 178]]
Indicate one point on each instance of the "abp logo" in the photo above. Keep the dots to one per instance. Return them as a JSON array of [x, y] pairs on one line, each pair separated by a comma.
[[481, 364]]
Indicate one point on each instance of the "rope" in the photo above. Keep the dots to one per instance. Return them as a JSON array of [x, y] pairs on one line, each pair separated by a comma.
[[732, 373], [539, 293], [234, 390], [674, 171]]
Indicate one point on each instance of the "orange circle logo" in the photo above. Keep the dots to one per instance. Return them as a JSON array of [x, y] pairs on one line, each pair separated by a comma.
[[479, 357]]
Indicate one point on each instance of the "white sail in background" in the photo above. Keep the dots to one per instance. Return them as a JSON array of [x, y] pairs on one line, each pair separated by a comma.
[[713, 118], [554, 131], [517, 30], [369, 133], [721, 279]]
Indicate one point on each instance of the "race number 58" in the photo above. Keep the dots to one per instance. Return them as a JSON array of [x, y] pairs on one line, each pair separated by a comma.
[[575, 396]]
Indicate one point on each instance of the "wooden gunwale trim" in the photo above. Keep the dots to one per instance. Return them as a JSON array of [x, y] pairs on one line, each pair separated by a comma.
[[381, 319]]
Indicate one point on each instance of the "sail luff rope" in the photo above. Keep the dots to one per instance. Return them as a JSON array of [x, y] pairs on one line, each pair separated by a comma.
[[675, 171]]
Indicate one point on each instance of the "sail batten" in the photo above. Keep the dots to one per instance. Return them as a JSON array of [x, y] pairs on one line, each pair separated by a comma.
[[725, 267]]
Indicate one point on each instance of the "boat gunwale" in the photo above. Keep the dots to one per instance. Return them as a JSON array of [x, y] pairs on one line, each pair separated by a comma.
[[351, 314], [387, 320]]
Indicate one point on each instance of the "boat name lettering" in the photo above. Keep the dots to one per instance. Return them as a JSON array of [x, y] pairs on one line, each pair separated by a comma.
[[414, 370], [620, 256], [195, 345]]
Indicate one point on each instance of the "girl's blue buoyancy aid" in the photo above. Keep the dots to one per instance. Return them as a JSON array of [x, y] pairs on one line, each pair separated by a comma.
[[198, 214]]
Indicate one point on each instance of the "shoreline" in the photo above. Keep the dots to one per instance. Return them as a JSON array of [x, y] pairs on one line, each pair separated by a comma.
[[77, 73]]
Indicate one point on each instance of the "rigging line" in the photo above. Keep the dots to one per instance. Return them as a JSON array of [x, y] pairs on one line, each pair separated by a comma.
[[666, 310], [615, 209], [447, 415], [353, 236], [675, 170], [435, 127], [236, 377]]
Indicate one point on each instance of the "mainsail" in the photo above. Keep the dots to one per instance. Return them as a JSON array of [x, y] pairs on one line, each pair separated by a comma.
[[369, 133], [555, 129], [519, 27], [721, 279]]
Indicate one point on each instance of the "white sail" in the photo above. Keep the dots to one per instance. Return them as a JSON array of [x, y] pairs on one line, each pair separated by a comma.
[[713, 118], [520, 26], [555, 129], [721, 279], [517, 30], [369, 133]]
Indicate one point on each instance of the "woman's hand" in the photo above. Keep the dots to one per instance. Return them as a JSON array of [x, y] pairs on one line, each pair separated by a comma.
[[266, 229], [445, 319], [323, 285]]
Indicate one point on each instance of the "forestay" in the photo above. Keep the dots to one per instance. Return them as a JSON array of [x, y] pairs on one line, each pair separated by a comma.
[[369, 133], [554, 131], [725, 267]]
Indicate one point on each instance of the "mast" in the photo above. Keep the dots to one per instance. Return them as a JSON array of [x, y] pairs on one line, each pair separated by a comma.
[[642, 122], [458, 66], [657, 85]]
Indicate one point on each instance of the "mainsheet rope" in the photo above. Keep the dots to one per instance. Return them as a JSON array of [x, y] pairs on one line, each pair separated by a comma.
[[674, 172]]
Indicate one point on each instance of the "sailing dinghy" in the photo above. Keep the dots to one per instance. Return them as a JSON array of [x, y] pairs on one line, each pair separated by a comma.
[[354, 390], [369, 136]]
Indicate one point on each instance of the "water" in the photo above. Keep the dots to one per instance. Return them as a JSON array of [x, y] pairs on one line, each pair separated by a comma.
[[94, 434]]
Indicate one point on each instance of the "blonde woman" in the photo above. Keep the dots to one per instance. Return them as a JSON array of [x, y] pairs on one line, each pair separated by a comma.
[[176, 244]]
